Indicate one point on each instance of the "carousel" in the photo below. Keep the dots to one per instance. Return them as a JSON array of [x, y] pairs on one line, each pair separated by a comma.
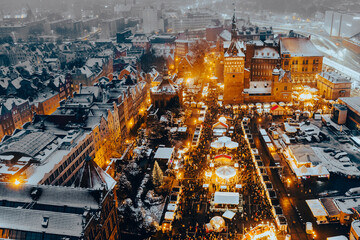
[[262, 231]]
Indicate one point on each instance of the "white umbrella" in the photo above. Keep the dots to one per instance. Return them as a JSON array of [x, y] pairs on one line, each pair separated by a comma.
[[217, 145], [224, 139], [231, 145], [225, 172]]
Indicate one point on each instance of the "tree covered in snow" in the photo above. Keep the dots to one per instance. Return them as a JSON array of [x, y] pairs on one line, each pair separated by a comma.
[[157, 175], [149, 226], [124, 186], [132, 171]]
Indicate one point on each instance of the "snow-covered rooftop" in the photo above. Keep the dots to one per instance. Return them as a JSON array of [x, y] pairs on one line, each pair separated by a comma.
[[299, 47], [316, 207], [352, 102], [164, 153], [266, 52], [30, 220], [226, 198]]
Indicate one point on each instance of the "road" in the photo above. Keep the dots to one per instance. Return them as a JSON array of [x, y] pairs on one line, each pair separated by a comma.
[[292, 199]]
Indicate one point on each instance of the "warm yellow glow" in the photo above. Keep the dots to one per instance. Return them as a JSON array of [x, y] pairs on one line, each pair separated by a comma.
[[208, 174], [188, 80], [222, 119], [17, 182], [305, 96]]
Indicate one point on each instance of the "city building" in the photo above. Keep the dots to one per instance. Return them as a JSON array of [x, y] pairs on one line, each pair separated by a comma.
[[353, 112], [355, 230], [234, 68], [341, 24], [332, 85], [302, 59], [14, 113], [167, 94], [150, 20], [339, 114], [262, 81], [262, 60], [82, 211]]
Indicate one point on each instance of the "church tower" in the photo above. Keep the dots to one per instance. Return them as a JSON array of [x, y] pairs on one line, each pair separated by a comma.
[[234, 67]]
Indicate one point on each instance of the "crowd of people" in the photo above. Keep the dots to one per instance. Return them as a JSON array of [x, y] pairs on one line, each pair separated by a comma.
[[193, 211]]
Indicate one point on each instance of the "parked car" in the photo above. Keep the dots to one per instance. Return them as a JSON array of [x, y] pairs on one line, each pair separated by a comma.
[[328, 150]]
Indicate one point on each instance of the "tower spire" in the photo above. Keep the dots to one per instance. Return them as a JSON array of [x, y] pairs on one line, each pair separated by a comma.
[[233, 26]]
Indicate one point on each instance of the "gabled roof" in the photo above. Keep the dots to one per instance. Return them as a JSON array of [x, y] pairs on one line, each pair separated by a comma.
[[234, 49], [92, 176], [29, 220]]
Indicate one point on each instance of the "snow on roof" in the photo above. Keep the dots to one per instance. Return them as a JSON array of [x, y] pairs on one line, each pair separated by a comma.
[[8, 102], [259, 87], [225, 35], [228, 214], [30, 220], [347, 204], [341, 237], [171, 207], [86, 71], [299, 47], [334, 77], [226, 198], [356, 226], [352, 102], [316, 207], [169, 216], [93, 61], [304, 153], [164, 153], [266, 52], [4, 82]]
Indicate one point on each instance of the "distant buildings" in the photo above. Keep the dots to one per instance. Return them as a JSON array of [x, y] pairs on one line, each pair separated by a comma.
[[252, 73], [344, 25]]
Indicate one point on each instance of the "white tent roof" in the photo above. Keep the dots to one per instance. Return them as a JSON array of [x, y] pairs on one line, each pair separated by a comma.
[[217, 144], [171, 207], [226, 198], [228, 214], [169, 216], [164, 153], [224, 139], [231, 145], [316, 207]]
